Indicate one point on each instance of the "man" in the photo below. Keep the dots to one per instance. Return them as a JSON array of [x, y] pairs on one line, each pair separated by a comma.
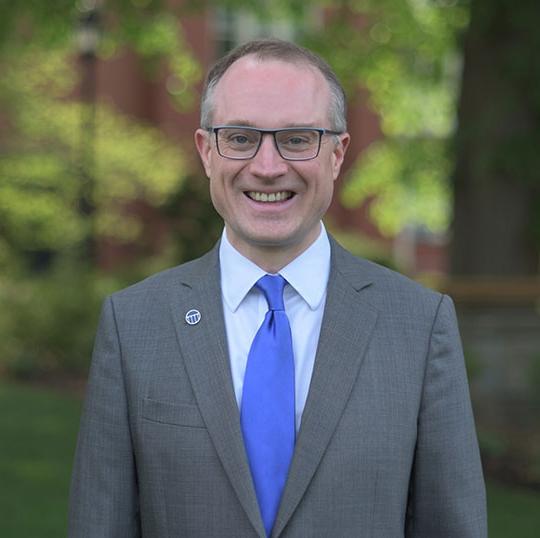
[[328, 399]]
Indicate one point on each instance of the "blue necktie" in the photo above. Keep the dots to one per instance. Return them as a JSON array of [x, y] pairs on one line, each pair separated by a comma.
[[268, 411]]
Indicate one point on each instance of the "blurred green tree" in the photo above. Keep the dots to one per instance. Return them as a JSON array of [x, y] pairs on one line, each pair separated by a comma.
[[41, 184], [42, 165], [406, 54], [48, 318]]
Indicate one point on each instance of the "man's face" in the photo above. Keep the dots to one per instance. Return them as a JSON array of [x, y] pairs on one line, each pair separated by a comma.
[[271, 94]]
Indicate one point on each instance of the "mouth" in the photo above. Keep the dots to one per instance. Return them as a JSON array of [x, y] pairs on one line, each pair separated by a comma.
[[271, 197]]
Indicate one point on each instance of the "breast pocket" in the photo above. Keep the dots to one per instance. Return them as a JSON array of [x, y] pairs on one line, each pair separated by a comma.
[[176, 414]]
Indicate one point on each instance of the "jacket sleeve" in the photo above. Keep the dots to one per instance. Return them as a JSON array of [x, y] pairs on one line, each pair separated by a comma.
[[447, 492], [104, 497]]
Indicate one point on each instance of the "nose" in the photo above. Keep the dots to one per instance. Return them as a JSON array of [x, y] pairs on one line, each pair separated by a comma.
[[268, 163]]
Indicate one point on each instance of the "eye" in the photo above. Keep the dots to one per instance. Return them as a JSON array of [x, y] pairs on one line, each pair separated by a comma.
[[296, 140], [238, 139]]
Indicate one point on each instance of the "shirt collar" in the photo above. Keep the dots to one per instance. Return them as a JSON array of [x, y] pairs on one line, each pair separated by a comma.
[[238, 274], [307, 274]]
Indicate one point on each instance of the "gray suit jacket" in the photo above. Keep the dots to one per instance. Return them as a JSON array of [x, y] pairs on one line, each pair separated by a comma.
[[386, 449]]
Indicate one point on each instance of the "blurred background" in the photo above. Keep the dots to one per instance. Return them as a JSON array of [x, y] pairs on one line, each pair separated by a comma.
[[100, 186]]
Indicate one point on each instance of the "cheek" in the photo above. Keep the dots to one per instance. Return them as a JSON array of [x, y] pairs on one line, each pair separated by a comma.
[[326, 193], [216, 194], [329, 194], [221, 190], [324, 183]]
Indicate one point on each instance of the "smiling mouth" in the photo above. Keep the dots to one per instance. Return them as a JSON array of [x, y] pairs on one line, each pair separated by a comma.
[[269, 197]]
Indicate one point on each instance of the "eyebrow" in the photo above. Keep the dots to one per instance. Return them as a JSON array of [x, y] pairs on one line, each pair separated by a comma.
[[247, 123]]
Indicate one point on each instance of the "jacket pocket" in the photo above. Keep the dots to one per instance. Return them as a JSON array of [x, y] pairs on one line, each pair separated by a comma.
[[178, 414]]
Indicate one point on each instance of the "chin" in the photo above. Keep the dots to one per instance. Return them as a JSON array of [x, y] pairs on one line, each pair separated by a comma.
[[277, 241]]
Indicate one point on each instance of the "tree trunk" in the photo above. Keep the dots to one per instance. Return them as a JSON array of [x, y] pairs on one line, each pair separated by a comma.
[[497, 175]]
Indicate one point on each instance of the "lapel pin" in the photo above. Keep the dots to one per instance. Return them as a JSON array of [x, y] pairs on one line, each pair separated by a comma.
[[193, 317]]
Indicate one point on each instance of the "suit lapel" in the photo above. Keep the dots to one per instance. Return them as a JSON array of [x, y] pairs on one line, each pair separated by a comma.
[[345, 333], [204, 348]]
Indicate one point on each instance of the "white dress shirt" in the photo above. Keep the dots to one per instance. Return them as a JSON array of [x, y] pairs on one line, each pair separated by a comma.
[[245, 306]]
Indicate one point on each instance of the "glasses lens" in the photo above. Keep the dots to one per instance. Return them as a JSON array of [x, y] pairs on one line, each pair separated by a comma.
[[298, 144], [238, 143]]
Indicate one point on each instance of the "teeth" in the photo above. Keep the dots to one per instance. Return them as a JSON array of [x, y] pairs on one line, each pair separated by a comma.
[[272, 197]]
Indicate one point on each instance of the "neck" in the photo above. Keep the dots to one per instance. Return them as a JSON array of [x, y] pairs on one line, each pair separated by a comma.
[[272, 258]]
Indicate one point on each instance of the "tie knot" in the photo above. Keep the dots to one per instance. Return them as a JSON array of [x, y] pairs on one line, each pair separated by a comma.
[[272, 287]]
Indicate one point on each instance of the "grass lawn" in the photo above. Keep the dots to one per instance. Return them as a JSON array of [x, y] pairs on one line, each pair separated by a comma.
[[513, 513], [38, 433]]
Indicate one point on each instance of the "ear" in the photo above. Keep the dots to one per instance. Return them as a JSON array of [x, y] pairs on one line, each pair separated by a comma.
[[203, 144], [338, 153]]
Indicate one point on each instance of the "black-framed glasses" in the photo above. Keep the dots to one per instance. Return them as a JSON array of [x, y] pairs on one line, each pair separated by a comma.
[[292, 143]]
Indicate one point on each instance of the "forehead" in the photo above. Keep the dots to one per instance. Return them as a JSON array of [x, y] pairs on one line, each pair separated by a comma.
[[270, 93]]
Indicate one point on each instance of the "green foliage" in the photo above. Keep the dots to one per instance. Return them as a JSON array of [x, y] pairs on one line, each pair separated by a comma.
[[405, 54], [195, 226], [49, 23], [40, 161], [150, 27], [48, 321], [408, 180], [154, 32]]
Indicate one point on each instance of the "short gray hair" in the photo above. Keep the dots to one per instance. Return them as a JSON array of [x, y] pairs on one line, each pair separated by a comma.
[[276, 49]]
